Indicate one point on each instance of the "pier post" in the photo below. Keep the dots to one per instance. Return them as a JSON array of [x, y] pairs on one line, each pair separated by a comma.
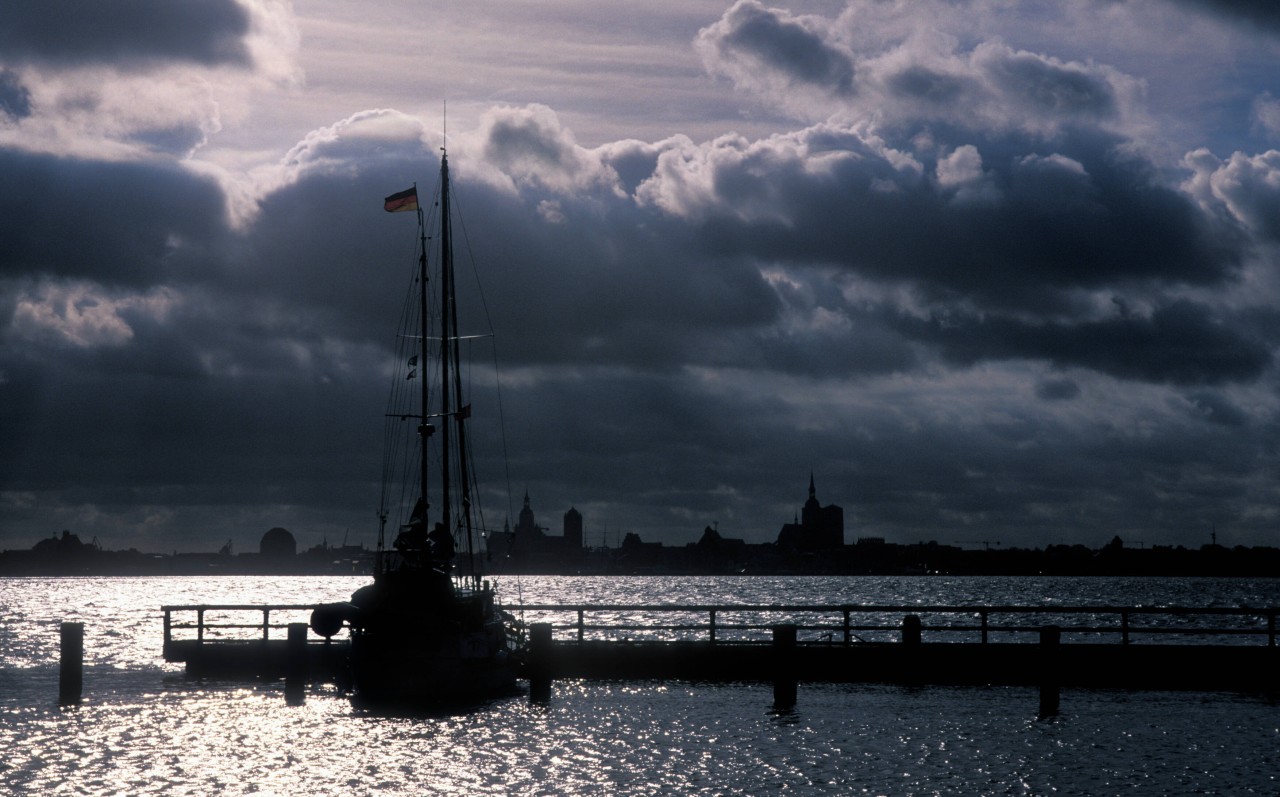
[[784, 667], [910, 665], [1050, 671], [168, 633], [911, 629], [295, 673], [71, 669], [539, 662]]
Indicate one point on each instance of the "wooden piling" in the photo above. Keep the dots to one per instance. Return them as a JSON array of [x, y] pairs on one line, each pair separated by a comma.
[[71, 670], [784, 667], [1050, 670], [911, 629], [539, 662], [911, 665], [295, 679]]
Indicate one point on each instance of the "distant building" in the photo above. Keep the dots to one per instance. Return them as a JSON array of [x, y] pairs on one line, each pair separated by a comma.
[[714, 553], [528, 545], [278, 543], [820, 528], [573, 529]]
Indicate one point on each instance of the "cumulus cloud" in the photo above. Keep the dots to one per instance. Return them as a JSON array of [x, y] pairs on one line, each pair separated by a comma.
[[15, 99], [1247, 187], [770, 49], [529, 147], [1244, 12], [762, 180], [124, 34], [1150, 348], [365, 138], [970, 285], [817, 66], [1218, 409], [80, 314], [150, 221], [1058, 389], [1266, 114], [137, 78], [1047, 226], [961, 174]]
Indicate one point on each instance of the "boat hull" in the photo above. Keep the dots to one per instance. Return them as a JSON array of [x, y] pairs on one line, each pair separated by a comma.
[[429, 649], [454, 669]]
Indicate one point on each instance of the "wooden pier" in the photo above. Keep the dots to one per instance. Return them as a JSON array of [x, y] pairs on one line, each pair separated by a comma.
[[1078, 646], [249, 641], [1233, 649]]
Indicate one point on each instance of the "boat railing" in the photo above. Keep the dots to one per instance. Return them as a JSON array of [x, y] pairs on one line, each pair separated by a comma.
[[849, 624]]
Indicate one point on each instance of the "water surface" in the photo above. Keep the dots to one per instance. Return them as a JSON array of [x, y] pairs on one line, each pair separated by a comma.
[[145, 728]]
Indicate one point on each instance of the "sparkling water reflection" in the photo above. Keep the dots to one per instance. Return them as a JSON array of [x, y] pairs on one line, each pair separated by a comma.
[[144, 728]]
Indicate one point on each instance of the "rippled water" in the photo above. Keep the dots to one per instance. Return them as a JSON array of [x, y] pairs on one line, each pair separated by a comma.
[[144, 728]]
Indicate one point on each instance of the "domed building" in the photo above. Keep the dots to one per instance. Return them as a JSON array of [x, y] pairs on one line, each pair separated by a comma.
[[278, 543]]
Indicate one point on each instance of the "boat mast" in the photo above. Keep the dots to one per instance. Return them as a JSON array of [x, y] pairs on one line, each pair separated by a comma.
[[425, 428], [447, 324], [451, 379]]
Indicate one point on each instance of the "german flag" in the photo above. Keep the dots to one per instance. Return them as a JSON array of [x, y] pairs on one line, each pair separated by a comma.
[[405, 200]]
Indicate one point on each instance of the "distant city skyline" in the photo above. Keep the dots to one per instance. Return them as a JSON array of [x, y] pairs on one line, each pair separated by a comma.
[[989, 269]]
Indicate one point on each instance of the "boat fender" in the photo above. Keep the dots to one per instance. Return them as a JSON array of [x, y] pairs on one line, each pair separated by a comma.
[[327, 618]]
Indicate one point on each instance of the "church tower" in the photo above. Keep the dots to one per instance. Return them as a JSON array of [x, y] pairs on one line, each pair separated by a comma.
[[821, 528], [526, 528], [573, 530]]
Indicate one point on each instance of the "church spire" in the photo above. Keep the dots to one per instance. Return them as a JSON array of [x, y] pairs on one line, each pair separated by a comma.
[[812, 492]]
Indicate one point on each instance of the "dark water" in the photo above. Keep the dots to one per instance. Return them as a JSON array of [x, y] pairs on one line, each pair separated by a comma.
[[144, 728]]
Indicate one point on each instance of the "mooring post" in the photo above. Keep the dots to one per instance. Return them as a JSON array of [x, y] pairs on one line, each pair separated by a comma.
[[539, 662], [1050, 670], [911, 629], [295, 673], [168, 632], [71, 672], [910, 664], [784, 667]]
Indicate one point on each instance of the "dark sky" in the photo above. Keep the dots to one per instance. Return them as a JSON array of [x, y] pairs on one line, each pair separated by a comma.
[[989, 270]]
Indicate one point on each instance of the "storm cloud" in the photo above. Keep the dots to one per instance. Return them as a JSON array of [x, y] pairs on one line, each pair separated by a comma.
[[973, 277]]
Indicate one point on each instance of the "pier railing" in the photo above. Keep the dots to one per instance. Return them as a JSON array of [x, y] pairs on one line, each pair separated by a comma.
[[1134, 647], [842, 624], [849, 624], [231, 622]]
